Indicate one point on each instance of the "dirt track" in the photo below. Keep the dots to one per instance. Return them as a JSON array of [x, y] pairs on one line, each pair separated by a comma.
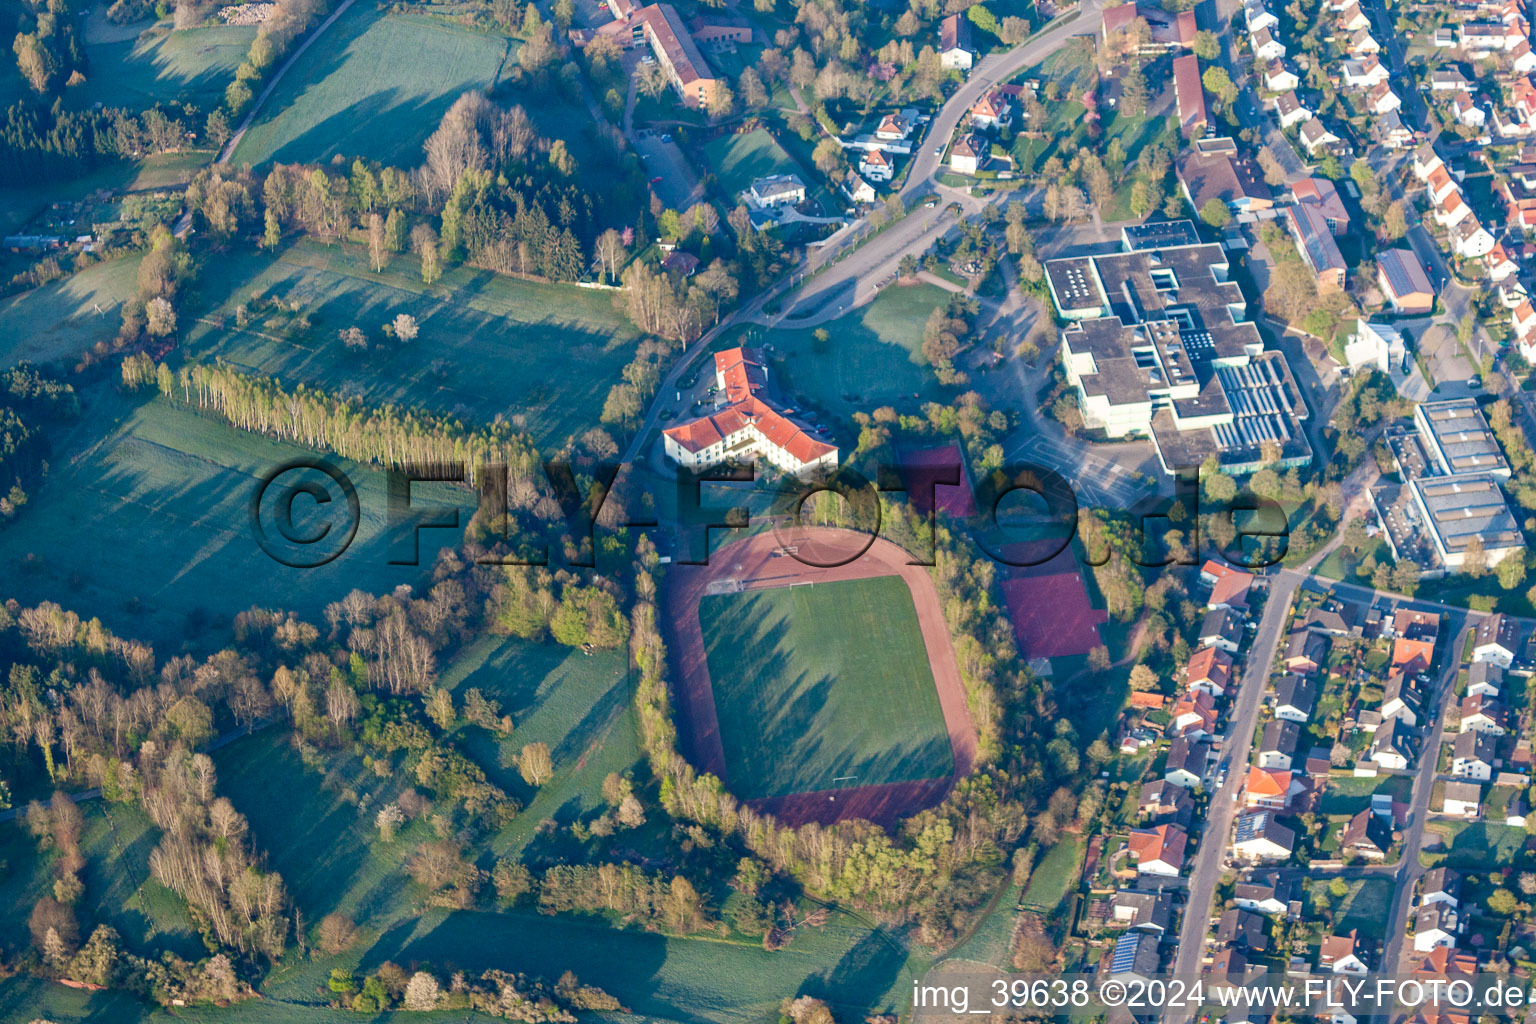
[[757, 562]]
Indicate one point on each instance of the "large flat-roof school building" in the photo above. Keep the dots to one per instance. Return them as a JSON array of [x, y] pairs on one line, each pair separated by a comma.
[[1160, 346]]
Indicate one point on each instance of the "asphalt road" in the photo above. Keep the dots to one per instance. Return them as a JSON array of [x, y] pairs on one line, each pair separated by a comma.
[[1409, 870], [1223, 807]]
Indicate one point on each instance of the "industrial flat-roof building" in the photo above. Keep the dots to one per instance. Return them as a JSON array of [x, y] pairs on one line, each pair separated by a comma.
[[1162, 348], [1457, 509], [1458, 439]]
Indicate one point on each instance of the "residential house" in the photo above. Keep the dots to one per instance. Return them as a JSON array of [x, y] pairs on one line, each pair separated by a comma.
[[1366, 73], [876, 166], [1472, 756], [1305, 652], [858, 190], [1403, 699], [1279, 78], [1321, 195], [1222, 629], [776, 190], [1483, 714], [993, 110], [1270, 787], [1435, 925], [1450, 80], [1316, 138], [1470, 240], [1266, 892], [1229, 586], [1340, 954], [1521, 60], [1381, 99], [1352, 18], [1498, 638], [1194, 714], [1467, 111], [1265, 46], [1289, 110], [1135, 957], [1463, 799], [1295, 698], [1165, 800], [1158, 851], [1484, 679], [1362, 43], [1258, 16], [1499, 264], [1367, 835], [968, 153], [1259, 837], [1392, 746], [1392, 132], [1441, 885], [1242, 929], [1277, 749], [1141, 910], [1426, 161], [1187, 761], [955, 49], [1209, 669]]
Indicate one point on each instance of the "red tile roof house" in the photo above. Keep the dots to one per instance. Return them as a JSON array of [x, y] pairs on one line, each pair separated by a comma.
[[1229, 586], [750, 427], [1210, 670], [1159, 851], [1189, 92]]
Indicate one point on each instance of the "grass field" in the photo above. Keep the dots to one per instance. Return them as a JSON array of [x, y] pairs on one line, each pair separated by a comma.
[[1365, 906], [578, 704], [542, 356], [1054, 875], [1351, 795], [61, 320], [319, 838], [874, 357], [814, 684], [127, 69], [376, 88], [739, 160], [145, 522], [119, 891], [1474, 844]]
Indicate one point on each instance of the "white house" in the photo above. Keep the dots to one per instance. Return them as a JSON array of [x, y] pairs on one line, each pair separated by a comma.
[[1496, 640], [955, 50], [1435, 925], [1265, 46], [1467, 111], [1289, 110], [858, 190], [1258, 837], [1379, 346], [1278, 78], [968, 153], [1364, 74], [1258, 16], [1472, 756], [876, 166], [1463, 799], [1470, 240], [1382, 99]]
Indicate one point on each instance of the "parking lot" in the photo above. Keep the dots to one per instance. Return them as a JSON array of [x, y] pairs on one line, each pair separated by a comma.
[[678, 186]]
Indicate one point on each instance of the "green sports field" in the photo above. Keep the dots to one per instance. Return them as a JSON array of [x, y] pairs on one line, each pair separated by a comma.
[[814, 684], [740, 160], [541, 356], [376, 87]]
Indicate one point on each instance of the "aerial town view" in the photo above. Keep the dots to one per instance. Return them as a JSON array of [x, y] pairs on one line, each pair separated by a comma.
[[767, 511]]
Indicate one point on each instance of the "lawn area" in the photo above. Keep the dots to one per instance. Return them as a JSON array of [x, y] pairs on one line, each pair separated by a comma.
[[578, 704], [1365, 906], [1351, 795], [1054, 876], [63, 319], [797, 673], [541, 356], [139, 65], [874, 357], [145, 522], [1474, 844], [376, 88], [739, 160]]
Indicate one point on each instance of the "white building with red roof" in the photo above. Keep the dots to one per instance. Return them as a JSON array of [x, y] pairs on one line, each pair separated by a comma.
[[748, 427], [991, 110]]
